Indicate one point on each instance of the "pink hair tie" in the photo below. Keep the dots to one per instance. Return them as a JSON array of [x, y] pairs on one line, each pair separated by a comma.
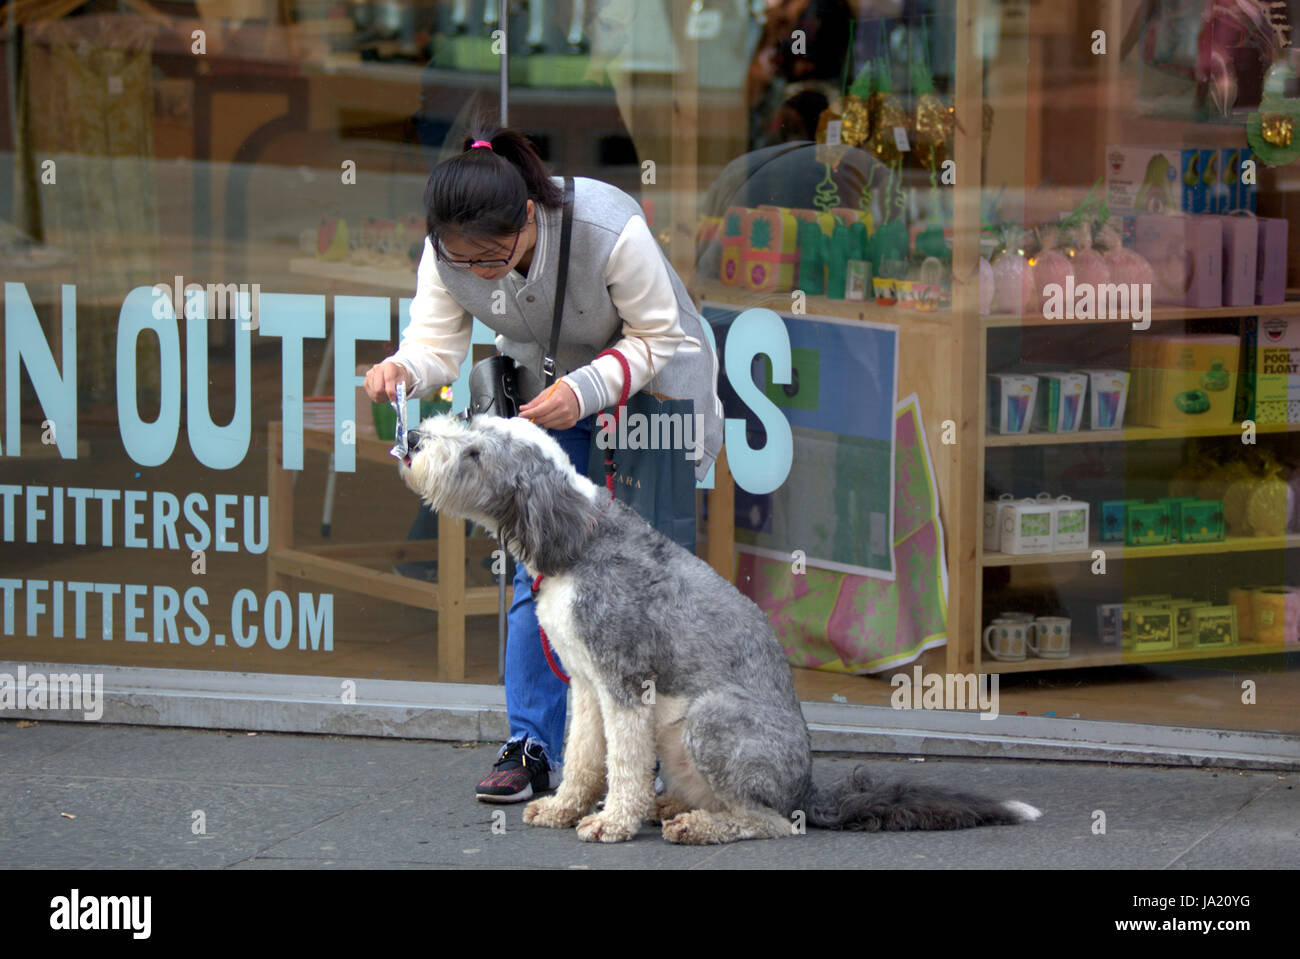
[[480, 143]]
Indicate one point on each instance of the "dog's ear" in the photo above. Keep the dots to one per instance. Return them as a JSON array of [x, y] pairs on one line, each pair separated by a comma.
[[546, 516]]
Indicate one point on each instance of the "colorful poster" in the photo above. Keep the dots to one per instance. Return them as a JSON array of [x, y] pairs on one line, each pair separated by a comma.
[[850, 623]]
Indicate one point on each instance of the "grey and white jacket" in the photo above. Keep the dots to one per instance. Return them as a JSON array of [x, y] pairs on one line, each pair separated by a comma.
[[622, 293]]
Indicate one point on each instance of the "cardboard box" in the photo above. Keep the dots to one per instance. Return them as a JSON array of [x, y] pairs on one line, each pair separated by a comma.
[[1240, 260], [1026, 526], [1110, 522], [1271, 392], [1184, 380], [1186, 253], [1146, 524], [1201, 521], [992, 525], [1215, 626], [1059, 406], [1143, 180], [1107, 398], [1011, 402], [1152, 629], [1270, 278], [1184, 624], [1069, 525]]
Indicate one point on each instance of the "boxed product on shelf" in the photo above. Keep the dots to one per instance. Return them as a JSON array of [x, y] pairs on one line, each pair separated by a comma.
[[1270, 277], [992, 523], [1152, 629], [1145, 180], [1026, 526], [1271, 391], [1186, 253], [1110, 520], [735, 233], [1107, 399], [1069, 524], [1243, 192], [1184, 380], [770, 254], [1175, 505], [1146, 524], [1201, 521], [1110, 623], [1215, 626], [1059, 405], [1240, 260], [1184, 624], [1011, 402]]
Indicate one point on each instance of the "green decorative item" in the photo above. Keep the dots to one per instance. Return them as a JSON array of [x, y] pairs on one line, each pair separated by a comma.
[[760, 234], [888, 243], [858, 241], [811, 264], [1273, 131], [931, 242], [827, 197], [837, 260]]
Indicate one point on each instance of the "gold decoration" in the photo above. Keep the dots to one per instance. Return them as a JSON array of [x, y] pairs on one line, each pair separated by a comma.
[[886, 113], [1277, 128], [934, 126], [857, 121]]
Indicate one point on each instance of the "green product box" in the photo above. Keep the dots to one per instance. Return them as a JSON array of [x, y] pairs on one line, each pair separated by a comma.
[[1184, 623], [1146, 524], [1110, 523], [1215, 626], [1201, 521], [1175, 504], [1152, 629]]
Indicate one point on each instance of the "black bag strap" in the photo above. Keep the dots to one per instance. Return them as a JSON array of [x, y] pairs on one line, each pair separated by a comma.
[[566, 231]]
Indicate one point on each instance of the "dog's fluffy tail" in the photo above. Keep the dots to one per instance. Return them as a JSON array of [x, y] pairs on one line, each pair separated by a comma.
[[858, 803]]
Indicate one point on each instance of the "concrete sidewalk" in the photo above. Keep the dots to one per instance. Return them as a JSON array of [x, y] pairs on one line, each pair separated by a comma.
[[132, 796]]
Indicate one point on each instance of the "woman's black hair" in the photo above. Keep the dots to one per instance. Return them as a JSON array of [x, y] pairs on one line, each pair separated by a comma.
[[482, 194]]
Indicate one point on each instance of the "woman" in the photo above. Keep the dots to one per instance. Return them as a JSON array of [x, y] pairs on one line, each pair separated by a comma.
[[492, 252]]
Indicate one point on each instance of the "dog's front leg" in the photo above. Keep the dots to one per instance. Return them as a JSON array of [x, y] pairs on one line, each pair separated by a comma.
[[584, 766], [629, 761]]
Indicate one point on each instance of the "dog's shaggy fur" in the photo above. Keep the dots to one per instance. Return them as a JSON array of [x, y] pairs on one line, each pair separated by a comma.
[[666, 659]]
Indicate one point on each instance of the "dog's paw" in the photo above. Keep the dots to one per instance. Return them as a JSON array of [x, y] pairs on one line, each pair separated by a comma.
[[599, 827], [687, 829], [548, 811], [666, 807]]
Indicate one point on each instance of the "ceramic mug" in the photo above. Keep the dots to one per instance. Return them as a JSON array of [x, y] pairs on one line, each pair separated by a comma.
[[1009, 639], [1017, 617], [1051, 637]]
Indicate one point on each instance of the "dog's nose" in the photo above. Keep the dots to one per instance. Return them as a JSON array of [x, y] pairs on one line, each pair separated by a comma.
[[412, 440]]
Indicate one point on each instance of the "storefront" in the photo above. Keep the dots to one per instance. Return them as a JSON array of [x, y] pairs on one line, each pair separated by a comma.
[[999, 291]]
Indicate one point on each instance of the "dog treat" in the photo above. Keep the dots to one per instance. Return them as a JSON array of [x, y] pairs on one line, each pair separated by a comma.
[[400, 450]]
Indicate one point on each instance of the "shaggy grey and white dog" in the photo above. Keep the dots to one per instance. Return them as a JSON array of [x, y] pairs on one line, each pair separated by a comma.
[[666, 659]]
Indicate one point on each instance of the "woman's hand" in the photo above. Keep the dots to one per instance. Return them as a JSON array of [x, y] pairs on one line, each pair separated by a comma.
[[382, 379], [556, 408]]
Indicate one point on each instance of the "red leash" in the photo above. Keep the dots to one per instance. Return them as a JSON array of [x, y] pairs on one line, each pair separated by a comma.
[[610, 469]]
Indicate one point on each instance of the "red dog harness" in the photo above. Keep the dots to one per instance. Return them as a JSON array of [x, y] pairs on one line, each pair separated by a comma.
[[610, 469]]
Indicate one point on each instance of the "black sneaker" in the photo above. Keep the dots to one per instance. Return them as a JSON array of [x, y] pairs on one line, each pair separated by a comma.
[[518, 775]]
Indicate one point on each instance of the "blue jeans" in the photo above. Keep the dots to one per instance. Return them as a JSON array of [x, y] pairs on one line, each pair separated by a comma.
[[535, 697]]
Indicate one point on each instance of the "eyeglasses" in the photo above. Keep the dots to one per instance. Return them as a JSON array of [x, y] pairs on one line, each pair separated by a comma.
[[491, 264]]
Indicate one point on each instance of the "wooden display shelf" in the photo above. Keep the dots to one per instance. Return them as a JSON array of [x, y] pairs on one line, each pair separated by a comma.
[[1131, 434], [1114, 551], [716, 291], [1289, 308], [1087, 651]]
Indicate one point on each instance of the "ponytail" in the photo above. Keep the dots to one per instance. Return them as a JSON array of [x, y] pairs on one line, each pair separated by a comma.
[[482, 192]]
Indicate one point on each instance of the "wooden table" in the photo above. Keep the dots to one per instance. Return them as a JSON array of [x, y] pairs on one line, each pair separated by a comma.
[[335, 564]]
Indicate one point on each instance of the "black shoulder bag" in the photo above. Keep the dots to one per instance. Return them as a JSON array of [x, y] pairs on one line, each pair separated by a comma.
[[497, 385]]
